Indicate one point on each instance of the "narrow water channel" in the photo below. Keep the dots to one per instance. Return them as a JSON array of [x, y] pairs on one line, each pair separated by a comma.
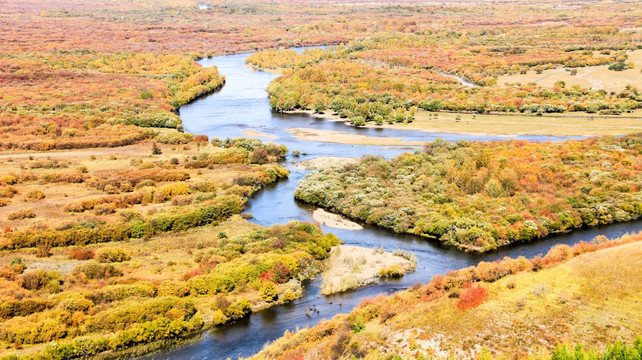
[[243, 105]]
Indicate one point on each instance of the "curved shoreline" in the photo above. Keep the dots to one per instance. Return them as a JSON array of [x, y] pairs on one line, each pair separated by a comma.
[[473, 248], [269, 324]]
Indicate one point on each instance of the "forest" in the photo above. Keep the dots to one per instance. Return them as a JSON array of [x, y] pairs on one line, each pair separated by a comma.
[[478, 196]]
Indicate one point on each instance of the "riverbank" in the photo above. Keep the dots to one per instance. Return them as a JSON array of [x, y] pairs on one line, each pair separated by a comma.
[[349, 267], [340, 137], [334, 220], [325, 161], [573, 295], [253, 133], [504, 125]]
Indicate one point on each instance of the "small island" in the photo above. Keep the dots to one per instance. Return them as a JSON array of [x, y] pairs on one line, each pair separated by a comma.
[[350, 267]]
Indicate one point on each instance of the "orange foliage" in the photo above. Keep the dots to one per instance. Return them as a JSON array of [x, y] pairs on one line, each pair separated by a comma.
[[471, 298]]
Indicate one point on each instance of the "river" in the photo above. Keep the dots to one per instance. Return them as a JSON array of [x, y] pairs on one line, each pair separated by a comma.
[[242, 104]]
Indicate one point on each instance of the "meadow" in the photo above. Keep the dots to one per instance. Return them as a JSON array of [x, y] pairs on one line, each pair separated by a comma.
[[566, 124], [569, 304]]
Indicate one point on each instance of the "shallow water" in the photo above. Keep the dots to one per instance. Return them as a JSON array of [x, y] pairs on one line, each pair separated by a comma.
[[241, 105]]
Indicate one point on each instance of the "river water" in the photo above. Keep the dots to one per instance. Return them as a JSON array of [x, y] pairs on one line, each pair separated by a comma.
[[242, 104]]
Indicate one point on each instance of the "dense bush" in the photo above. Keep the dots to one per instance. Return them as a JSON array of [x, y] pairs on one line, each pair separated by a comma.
[[239, 309], [119, 317], [35, 194], [81, 253], [37, 279], [304, 244], [478, 196], [110, 255], [94, 270], [471, 297], [268, 291], [12, 308], [21, 214]]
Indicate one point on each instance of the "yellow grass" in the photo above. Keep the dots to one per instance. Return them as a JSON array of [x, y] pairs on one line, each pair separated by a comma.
[[594, 299], [584, 300], [567, 124], [595, 77]]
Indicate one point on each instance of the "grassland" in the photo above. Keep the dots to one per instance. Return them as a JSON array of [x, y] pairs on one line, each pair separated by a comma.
[[513, 309], [108, 187], [575, 124], [595, 77]]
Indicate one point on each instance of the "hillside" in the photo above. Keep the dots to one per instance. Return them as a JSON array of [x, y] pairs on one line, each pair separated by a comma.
[[593, 299]]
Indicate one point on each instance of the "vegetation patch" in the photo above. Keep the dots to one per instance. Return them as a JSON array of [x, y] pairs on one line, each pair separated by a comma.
[[496, 310], [479, 196]]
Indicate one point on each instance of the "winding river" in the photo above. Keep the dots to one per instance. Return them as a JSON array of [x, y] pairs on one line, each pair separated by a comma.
[[242, 105]]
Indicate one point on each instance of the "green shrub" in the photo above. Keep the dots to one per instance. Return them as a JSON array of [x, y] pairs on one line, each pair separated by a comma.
[[111, 293], [94, 270], [239, 309], [25, 307], [112, 255], [118, 317], [268, 291], [36, 280]]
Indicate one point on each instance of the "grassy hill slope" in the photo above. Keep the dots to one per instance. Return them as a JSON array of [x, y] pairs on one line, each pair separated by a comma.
[[595, 299]]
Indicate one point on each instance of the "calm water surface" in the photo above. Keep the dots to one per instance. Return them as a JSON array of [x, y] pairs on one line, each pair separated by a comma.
[[242, 105]]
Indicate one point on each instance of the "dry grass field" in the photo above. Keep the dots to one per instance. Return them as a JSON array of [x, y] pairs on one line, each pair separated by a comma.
[[595, 77], [568, 124]]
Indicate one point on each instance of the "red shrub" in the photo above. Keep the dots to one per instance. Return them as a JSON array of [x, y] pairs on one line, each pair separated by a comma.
[[281, 272], [81, 254], [201, 138], [267, 276], [471, 297]]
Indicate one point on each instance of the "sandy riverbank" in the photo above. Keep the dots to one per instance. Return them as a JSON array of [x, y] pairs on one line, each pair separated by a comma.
[[334, 220], [346, 138], [259, 134], [350, 267], [325, 161]]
